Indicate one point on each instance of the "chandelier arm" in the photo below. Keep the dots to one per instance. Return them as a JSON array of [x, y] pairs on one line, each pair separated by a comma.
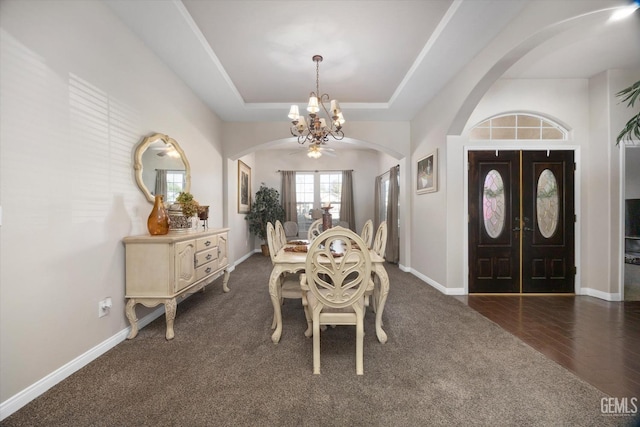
[[336, 134]]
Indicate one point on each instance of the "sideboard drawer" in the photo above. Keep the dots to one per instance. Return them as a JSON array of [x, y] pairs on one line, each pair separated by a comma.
[[207, 269], [204, 257], [206, 243]]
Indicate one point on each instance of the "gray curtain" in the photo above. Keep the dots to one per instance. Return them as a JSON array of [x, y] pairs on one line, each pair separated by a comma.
[[346, 200], [393, 240], [377, 203], [289, 202], [161, 183]]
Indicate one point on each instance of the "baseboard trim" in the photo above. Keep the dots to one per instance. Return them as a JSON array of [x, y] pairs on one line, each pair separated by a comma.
[[602, 295], [20, 399], [436, 285], [244, 258]]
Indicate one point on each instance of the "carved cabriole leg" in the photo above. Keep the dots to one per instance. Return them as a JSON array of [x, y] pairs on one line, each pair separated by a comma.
[[225, 281], [359, 309], [316, 338], [170, 313], [130, 311], [274, 293], [384, 291]]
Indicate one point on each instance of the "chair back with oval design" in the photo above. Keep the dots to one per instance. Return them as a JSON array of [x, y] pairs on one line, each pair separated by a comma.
[[380, 239], [280, 234], [314, 230], [338, 270], [272, 241], [290, 230], [367, 233]]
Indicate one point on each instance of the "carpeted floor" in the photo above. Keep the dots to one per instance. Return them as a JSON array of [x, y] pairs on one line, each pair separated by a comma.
[[444, 364]]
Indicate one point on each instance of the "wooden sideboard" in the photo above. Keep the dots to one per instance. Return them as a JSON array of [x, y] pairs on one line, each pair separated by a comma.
[[161, 269]]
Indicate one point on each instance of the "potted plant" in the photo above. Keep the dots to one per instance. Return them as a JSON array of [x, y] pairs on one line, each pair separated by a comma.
[[181, 212], [632, 129], [265, 208]]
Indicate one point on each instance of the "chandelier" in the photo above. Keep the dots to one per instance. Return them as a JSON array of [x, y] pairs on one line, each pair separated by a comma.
[[315, 129]]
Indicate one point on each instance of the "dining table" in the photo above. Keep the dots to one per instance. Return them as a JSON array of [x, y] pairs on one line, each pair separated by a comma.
[[291, 258]]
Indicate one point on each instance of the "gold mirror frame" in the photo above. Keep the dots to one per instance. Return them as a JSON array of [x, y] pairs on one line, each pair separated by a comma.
[[138, 166]]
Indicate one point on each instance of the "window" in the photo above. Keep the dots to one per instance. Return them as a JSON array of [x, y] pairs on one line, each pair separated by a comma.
[[383, 196], [175, 184], [314, 190], [518, 126]]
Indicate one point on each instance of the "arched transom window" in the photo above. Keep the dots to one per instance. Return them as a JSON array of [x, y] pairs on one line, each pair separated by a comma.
[[518, 126]]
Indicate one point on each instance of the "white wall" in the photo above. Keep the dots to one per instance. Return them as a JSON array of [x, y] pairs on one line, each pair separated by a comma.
[[241, 242], [79, 92]]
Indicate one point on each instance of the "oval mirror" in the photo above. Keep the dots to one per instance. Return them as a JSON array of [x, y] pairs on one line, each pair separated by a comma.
[[161, 168]]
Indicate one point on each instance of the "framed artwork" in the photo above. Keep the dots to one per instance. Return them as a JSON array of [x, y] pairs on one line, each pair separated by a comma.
[[427, 174], [244, 187]]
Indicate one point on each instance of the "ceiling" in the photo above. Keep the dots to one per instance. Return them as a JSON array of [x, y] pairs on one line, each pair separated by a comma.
[[383, 60]]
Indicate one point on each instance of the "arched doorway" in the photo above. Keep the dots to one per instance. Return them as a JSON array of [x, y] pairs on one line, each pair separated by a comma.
[[521, 208]]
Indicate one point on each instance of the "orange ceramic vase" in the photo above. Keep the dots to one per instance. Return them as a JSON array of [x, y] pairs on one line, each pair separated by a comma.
[[158, 222]]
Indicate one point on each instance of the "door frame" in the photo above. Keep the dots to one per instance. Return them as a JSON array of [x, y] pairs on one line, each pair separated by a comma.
[[522, 145]]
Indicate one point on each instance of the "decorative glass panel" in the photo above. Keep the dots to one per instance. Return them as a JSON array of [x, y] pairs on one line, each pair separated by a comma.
[[527, 126], [480, 133], [552, 133], [528, 133], [503, 133], [493, 203], [504, 121], [547, 203], [528, 121]]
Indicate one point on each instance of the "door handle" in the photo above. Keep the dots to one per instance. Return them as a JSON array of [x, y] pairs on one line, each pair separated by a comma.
[[516, 228], [528, 229]]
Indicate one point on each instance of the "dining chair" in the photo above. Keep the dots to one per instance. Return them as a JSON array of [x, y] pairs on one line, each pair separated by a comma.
[[280, 233], [291, 230], [333, 286], [314, 230], [289, 283], [367, 233], [379, 247]]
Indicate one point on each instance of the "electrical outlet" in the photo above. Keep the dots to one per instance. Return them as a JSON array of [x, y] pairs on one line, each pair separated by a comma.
[[104, 306]]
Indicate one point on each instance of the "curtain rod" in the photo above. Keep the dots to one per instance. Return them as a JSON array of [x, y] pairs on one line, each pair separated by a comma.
[[324, 170]]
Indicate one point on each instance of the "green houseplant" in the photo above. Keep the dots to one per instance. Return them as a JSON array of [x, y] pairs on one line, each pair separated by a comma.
[[632, 129], [265, 208]]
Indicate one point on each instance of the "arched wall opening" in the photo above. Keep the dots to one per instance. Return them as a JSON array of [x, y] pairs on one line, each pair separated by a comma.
[[367, 160]]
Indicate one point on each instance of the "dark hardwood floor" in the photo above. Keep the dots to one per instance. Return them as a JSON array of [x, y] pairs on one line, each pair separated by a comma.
[[597, 340]]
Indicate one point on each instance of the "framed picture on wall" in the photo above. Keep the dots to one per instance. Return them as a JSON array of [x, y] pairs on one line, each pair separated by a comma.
[[244, 187], [427, 174]]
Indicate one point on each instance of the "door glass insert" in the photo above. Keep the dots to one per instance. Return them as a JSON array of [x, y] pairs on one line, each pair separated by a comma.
[[547, 203], [493, 203]]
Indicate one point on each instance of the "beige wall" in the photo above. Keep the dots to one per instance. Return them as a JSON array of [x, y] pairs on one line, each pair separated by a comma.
[[79, 92]]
